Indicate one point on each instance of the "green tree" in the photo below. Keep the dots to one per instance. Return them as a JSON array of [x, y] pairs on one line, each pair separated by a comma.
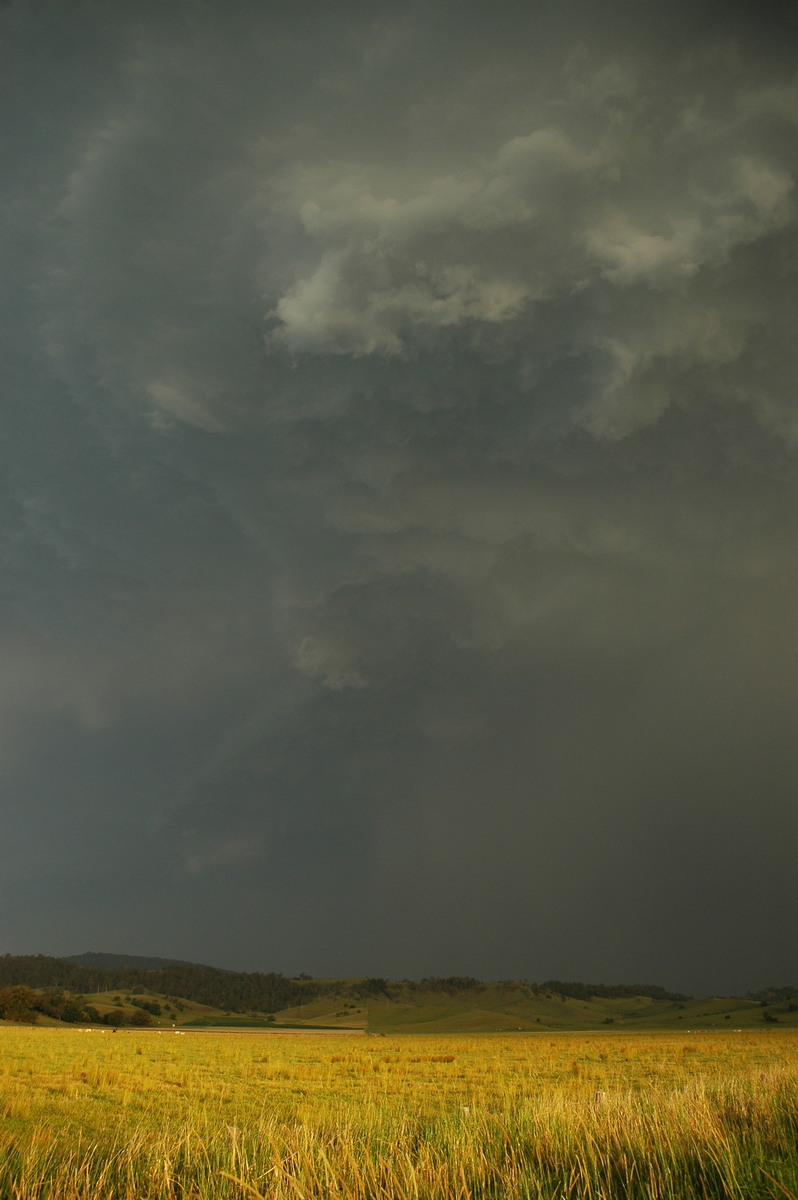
[[19, 1004]]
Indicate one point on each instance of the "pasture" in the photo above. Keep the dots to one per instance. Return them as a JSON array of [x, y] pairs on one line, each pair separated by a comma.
[[92, 1115]]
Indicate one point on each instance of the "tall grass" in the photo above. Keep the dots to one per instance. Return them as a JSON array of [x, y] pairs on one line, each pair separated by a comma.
[[202, 1117]]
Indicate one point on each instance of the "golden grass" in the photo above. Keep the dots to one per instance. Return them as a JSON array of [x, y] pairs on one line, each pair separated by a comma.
[[90, 1114]]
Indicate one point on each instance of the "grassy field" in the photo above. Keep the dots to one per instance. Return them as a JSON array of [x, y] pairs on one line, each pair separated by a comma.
[[93, 1114]]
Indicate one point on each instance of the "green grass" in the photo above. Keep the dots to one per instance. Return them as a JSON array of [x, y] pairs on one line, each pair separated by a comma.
[[320, 1013], [503, 1008], [149, 1115], [485, 1007]]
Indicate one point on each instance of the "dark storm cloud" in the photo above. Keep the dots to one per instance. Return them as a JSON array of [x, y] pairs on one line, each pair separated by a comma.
[[399, 487]]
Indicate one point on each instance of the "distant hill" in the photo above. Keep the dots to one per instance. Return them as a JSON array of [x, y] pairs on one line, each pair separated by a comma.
[[190, 994], [109, 962], [512, 1007]]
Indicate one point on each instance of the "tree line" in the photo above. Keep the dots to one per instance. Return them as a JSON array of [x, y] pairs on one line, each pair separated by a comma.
[[607, 991], [240, 991], [228, 990]]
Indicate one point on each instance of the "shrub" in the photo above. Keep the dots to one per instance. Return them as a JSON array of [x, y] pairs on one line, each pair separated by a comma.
[[150, 1006], [115, 1016], [72, 1012]]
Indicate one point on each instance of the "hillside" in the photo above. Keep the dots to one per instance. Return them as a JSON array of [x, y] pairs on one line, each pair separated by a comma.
[[189, 995], [513, 1007]]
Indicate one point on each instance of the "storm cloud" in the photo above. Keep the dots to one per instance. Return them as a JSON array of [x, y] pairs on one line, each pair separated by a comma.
[[399, 499]]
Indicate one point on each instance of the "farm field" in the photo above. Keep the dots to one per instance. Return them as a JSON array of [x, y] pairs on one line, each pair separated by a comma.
[[149, 1115]]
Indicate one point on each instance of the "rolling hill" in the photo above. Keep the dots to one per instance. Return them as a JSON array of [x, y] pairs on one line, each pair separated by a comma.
[[173, 994]]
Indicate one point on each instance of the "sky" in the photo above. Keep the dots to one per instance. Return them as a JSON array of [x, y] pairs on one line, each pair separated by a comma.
[[399, 487]]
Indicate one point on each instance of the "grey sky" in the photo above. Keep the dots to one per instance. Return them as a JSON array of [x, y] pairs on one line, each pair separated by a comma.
[[399, 500]]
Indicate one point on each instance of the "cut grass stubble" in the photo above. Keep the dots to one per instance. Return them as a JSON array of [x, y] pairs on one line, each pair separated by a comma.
[[204, 1116]]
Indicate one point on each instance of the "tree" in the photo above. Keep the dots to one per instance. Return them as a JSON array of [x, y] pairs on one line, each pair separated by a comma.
[[19, 1004], [114, 1016]]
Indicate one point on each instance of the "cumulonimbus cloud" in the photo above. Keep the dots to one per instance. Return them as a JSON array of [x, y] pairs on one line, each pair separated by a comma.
[[400, 443]]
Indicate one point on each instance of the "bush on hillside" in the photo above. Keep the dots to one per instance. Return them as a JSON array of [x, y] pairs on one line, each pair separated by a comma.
[[150, 1006], [114, 1016]]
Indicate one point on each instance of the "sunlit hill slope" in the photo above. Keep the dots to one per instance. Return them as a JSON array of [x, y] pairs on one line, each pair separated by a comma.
[[119, 991]]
